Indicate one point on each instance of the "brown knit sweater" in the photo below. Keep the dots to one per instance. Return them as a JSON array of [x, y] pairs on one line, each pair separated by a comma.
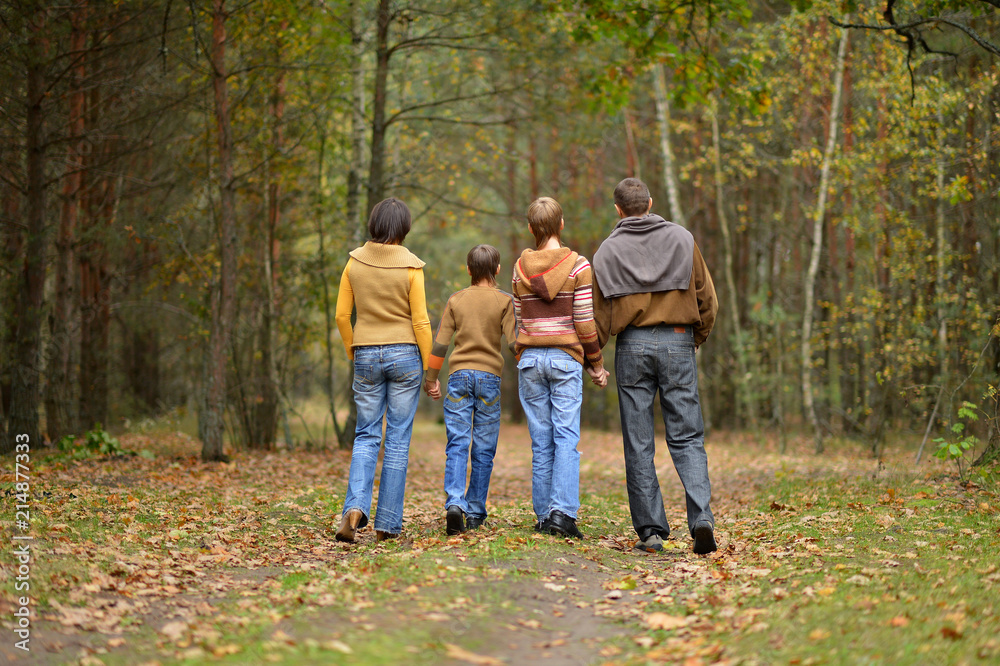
[[554, 304], [386, 285], [475, 317]]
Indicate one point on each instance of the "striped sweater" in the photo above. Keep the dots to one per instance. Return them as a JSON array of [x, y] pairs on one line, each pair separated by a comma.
[[553, 301]]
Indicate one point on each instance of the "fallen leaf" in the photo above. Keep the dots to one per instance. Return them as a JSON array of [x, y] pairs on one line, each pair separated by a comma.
[[664, 621], [337, 646], [819, 634], [456, 652], [899, 621], [174, 630]]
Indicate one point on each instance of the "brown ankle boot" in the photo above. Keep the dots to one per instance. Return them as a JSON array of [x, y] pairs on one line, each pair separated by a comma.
[[349, 525], [384, 536]]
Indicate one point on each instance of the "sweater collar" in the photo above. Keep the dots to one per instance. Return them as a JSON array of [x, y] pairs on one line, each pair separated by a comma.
[[382, 255]]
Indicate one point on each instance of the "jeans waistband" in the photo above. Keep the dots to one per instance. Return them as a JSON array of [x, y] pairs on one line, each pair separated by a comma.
[[659, 331]]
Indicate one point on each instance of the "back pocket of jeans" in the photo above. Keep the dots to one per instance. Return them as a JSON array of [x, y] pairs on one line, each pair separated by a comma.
[[681, 367], [364, 376]]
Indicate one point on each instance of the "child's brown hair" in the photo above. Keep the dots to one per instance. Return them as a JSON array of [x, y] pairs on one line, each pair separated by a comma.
[[483, 262], [544, 217]]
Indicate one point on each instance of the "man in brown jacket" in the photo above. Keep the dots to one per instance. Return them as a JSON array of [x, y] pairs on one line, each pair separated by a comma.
[[653, 290]]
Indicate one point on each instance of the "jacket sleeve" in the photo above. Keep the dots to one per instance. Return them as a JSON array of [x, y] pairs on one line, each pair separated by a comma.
[[418, 314], [602, 314], [583, 317], [345, 306], [708, 302], [446, 330], [508, 323]]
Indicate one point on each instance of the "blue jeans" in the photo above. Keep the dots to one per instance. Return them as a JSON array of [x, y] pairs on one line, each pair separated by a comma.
[[472, 419], [648, 359], [386, 385], [550, 384]]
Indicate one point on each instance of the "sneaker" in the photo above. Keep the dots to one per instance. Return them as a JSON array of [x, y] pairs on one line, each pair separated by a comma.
[[562, 525], [704, 538], [455, 521], [652, 543]]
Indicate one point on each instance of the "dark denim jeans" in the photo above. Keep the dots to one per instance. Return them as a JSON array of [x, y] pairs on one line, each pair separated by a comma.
[[472, 420], [661, 358], [386, 385], [550, 384]]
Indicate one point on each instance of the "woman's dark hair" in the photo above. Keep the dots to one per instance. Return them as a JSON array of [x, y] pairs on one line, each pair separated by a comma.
[[483, 262], [389, 221]]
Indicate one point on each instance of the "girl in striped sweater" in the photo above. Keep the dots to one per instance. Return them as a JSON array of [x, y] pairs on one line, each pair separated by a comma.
[[556, 340]]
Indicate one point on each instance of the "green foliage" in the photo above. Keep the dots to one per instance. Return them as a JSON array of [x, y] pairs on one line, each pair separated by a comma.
[[96, 442], [955, 448]]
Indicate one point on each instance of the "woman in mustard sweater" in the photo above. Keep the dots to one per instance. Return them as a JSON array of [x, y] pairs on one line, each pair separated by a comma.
[[389, 344]]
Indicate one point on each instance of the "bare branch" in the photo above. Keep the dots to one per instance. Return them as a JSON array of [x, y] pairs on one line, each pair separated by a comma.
[[986, 45]]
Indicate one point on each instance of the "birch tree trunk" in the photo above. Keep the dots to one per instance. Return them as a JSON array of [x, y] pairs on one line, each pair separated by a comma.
[[817, 244], [663, 125], [355, 221], [940, 258], [212, 427], [265, 407], [747, 405]]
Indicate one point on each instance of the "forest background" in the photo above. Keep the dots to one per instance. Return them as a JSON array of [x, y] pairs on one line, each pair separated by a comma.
[[181, 182]]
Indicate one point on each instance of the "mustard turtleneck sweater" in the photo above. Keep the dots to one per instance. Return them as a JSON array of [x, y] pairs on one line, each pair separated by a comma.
[[385, 283]]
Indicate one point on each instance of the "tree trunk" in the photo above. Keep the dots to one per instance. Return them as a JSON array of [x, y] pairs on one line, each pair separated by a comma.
[[95, 287], [60, 417], [25, 394], [355, 223], [743, 380], [817, 244], [212, 427], [265, 407], [663, 124], [940, 293], [376, 169]]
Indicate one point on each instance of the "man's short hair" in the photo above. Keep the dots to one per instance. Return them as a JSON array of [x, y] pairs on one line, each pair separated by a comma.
[[632, 197], [483, 262], [544, 216], [389, 222]]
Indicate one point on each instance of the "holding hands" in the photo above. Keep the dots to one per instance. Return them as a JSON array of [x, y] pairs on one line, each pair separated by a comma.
[[433, 389], [598, 375]]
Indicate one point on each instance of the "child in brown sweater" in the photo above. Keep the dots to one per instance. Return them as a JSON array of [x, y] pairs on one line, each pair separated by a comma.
[[476, 317]]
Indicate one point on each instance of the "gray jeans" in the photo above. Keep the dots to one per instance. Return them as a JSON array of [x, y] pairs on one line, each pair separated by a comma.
[[648, 359]]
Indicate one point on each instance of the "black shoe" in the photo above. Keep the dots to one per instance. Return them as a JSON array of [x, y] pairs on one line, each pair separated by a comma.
[[562, 525], [704, 538], [542, 526], [474, 523], [455, 521]]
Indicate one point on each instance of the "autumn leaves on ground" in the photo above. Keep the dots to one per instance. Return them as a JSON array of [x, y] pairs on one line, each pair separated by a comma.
[[835, 559]]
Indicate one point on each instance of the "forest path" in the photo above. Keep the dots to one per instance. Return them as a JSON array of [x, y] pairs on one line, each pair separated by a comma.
[[169, 560]]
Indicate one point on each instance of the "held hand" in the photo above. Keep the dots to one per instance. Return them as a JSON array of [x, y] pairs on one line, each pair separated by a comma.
[[433, 389], [599, 377]]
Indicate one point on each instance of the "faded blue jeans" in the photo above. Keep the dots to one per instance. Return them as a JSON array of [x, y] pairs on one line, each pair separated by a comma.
[[386, 385], [550, 384], [472, 420], [648, 359]]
